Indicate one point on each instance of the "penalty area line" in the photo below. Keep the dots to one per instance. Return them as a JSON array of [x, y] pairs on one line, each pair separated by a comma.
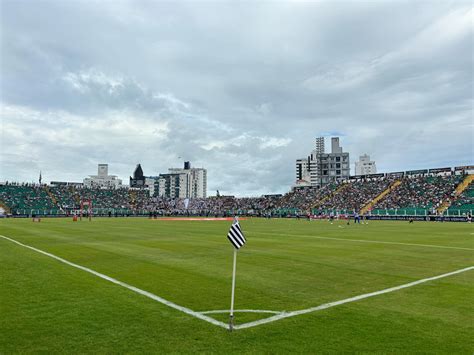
[[125, 285], [348, 300]]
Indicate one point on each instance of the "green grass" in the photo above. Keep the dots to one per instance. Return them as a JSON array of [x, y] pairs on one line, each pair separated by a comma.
[[47, 306]]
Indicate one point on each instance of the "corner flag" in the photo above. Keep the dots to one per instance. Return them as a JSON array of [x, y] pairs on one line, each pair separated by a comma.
[[235, 235]]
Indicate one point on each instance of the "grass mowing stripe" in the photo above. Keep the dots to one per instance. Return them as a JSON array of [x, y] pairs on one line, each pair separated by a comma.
[[123, 284], [370, 241], [347, 300]]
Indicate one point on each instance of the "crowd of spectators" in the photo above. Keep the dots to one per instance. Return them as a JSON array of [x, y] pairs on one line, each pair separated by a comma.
[[210, 206], [465, 201], [25, 196], [354, 195], [65, 197], [306, 198], [70, 197], [425, 192]]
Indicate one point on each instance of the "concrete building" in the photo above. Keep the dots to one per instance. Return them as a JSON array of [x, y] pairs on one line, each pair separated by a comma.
[[169, 186], [307, 169], [320, 145], [183, 183], [365, 166], [321, 168], [303, 177], [151, 182], [103, 179], [334, 166]]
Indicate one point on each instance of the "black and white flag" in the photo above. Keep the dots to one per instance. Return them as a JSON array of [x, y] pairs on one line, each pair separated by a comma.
[[235, 235]]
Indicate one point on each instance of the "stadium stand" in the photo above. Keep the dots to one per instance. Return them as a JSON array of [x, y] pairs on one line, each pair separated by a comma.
[[26, 197], [418, 195], [355, 195], [369, 206], [464, 201], [305, 198], [409, 195], [66, 197]]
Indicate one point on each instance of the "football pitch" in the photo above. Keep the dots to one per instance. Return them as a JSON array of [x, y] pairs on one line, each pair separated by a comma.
[[152, 286]]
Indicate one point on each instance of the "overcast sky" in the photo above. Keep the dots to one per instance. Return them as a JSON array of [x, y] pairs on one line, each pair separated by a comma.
[[240, 88]]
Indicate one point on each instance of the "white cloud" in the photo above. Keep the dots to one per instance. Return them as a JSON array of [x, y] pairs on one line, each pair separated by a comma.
[[341, 77], [272, 142], [443, 32], [214, 145], [83, 81], [47, 137]]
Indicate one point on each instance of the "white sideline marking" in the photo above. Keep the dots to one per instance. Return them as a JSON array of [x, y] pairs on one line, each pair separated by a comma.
[[372, 241], [123, 284], [202, 316], [347, 300], [240, 310]]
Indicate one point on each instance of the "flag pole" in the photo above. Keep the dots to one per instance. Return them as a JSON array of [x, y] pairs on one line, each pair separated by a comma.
[[231, 320]]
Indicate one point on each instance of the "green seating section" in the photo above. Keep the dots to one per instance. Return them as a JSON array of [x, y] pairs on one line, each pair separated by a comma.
[[66, 196], [420, 195], [464, 203], [25, 197]]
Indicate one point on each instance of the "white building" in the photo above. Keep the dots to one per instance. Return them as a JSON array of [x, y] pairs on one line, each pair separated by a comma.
[[303, 176], [151, 183], [308, 169], [365, 166], [103, 179], [183, 183]]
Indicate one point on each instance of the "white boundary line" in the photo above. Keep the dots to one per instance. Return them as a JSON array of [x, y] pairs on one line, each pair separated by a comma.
[[347, 300], [123, 284], [370, 241], [202, 316]]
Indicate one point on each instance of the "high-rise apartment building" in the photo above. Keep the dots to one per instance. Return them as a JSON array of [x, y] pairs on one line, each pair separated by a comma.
[[321, 168], [183, 183]]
